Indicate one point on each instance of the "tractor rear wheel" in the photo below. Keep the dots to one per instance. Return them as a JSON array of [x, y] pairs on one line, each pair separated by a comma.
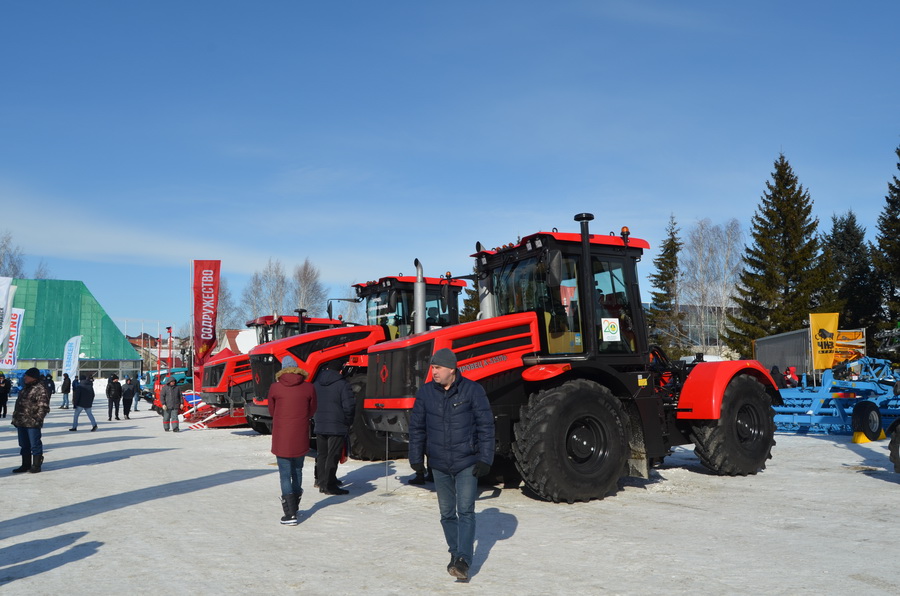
[[741, 440], [895, 448], [571, 442], [867, 420], [365, 444]]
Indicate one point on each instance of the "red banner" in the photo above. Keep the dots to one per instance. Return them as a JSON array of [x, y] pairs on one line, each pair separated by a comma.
[[206, 307]]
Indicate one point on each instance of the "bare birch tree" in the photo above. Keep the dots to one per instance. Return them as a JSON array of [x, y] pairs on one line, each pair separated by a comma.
[[12, 261], [711, 265], [229, 315], [267, 291], [307, 290]]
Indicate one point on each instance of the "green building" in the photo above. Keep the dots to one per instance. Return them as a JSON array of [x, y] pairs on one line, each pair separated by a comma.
[[57, 310]]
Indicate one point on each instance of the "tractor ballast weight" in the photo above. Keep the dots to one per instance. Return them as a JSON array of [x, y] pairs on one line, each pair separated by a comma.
[[580, 398]]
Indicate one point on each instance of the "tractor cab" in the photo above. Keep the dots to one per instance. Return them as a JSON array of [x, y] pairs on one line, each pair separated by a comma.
[[390, 303], [586, 298]]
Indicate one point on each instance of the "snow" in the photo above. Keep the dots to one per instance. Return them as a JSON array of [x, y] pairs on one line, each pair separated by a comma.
[[130, 507]]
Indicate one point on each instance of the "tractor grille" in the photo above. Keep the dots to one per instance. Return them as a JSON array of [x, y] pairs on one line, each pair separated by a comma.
[[264, 367], [398, 373]]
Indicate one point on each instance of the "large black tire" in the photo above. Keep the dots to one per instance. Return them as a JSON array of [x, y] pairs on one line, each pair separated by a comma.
[[571, 442], [867, 420], [259, 426], [895, 447], [741, 440], [365, 444]]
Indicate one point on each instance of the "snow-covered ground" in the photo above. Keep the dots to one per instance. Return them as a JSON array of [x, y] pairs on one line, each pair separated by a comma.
[[130, 509]]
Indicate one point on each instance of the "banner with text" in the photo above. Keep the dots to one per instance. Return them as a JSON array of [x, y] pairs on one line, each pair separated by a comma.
[[11, 357], [70, 357], [823, 328], [206, 306], [7, 293]]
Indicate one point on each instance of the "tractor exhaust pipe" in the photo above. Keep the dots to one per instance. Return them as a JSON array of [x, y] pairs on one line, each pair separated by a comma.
[[587, 285], [419, 300]]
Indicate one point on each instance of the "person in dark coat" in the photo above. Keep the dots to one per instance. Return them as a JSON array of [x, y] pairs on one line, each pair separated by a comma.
[[452, 422], [32, 406], [65, 390], [83, 399], [49, 384], [128, 391], [5, 388], [113, 395], [334, 416], [292, 404], [171, 397]]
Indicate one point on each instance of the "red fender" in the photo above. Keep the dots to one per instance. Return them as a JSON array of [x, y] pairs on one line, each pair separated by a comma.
[[701, 396], [542, 372]]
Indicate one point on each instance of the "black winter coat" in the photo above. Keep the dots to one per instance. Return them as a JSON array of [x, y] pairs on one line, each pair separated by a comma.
[[114, 390], [128, 391], [336, 408], [454, 427], [83, 395]]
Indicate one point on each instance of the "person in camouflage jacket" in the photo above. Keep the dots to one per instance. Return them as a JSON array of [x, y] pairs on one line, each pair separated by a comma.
[[32, 407]]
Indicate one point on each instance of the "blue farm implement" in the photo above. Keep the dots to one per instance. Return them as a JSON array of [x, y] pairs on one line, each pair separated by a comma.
[[859, 397]]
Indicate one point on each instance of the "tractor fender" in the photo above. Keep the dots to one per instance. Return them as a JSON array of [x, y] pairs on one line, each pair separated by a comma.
[[701, 395], [542, 372]]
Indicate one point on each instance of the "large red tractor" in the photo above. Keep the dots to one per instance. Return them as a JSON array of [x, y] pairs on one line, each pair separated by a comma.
[[580, 397], [396, 306]]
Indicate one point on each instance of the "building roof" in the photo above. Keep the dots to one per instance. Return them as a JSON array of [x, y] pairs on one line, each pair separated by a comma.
[[55, 311]]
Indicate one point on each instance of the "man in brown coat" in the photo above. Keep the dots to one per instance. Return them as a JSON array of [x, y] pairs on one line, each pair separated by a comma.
[[292, 403], [32, 407]]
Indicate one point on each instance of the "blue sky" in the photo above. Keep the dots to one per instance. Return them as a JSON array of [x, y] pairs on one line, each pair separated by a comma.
[[137, 136]]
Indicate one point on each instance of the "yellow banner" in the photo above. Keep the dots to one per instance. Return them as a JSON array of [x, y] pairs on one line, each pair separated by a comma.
[[849, 345], [823, 329]]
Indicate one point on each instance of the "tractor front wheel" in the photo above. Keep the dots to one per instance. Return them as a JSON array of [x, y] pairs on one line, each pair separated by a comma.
[[571, 442], [741, 440]]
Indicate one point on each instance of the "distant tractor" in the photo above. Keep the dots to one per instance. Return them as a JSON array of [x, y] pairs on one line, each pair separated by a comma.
[[580, 398]]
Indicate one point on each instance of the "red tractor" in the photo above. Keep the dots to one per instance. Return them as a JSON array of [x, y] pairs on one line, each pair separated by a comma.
[[227, 382], [396, 307], [580, 397]]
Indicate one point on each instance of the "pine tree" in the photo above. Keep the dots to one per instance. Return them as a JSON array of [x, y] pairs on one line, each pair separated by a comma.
[[887, 257], [777, 287], [471, 305], [858, 292], [665, 317]]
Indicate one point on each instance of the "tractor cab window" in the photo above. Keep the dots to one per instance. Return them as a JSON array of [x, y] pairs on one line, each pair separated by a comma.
[[522, 286], [613, 309], [436, 315]]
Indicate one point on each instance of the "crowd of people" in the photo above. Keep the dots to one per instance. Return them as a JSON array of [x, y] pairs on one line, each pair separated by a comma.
[[451, 422]]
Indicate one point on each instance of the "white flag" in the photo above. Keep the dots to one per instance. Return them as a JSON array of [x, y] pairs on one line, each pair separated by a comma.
[[7, 293], [70, 357], [11, 358]]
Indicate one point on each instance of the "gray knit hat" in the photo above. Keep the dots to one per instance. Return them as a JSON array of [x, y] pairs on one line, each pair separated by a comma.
[[444, 357]]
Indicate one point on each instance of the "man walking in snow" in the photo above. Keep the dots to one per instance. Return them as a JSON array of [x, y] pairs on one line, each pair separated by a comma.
[[452, 422]]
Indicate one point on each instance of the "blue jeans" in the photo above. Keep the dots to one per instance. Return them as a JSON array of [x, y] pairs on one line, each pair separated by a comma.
[[456, 499], [78, 410], [65, 403], [30, 441], [290, 472]]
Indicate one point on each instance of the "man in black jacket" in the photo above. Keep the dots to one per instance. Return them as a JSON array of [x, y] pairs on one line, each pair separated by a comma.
[[452, 421], [333, 418], [113, 395]]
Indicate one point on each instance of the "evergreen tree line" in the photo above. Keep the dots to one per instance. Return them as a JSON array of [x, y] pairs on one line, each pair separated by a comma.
[[787, 271]]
